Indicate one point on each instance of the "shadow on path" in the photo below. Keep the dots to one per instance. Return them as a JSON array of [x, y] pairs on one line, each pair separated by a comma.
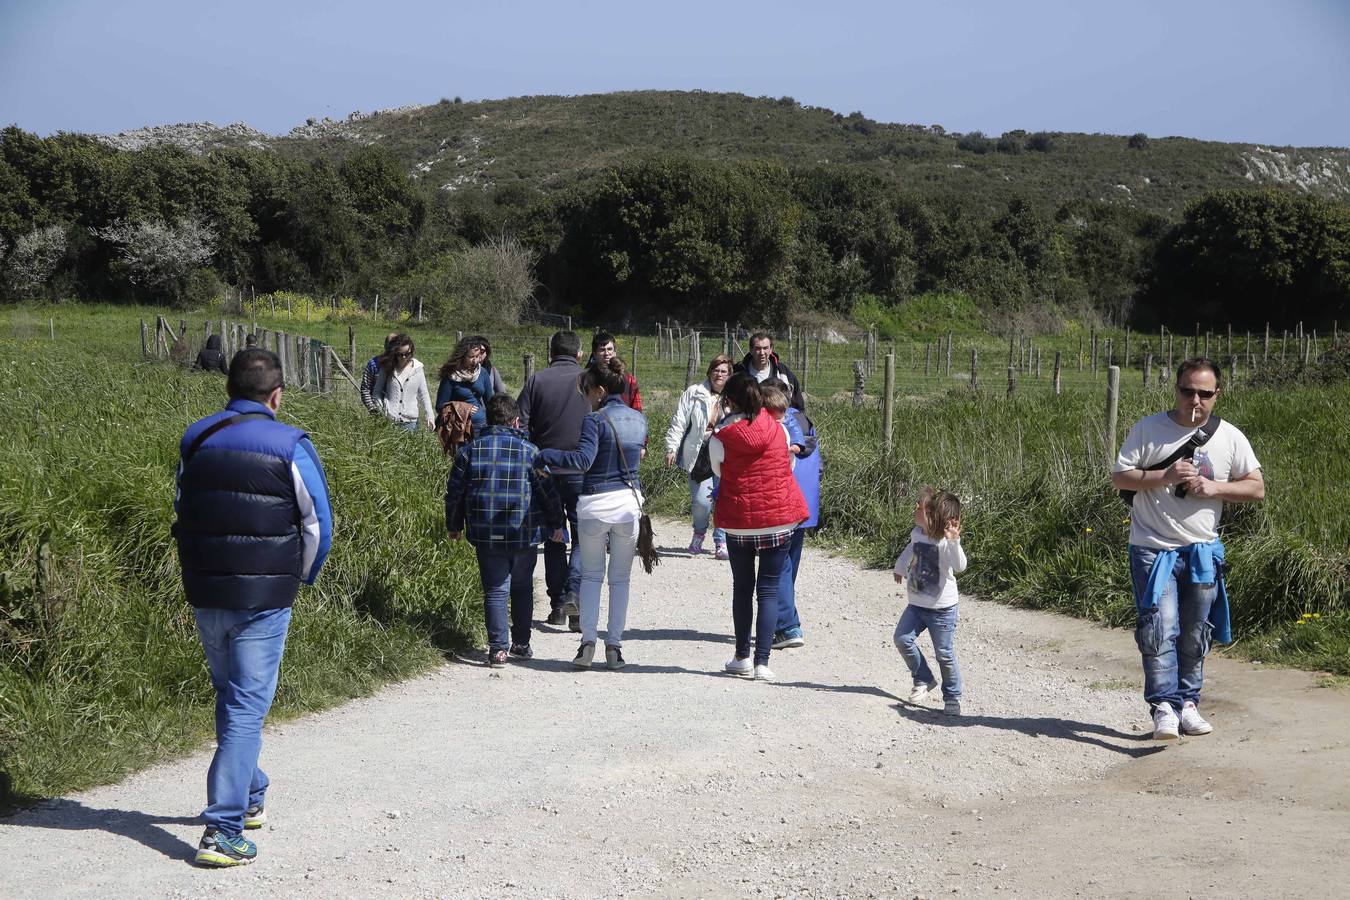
[[143, 828], [1064, 729]]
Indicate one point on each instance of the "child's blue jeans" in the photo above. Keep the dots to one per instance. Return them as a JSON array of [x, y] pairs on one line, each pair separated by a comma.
[[941, 626]]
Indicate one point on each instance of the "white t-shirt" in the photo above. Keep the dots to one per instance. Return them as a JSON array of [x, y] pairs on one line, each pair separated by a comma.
[[610, 507], [1161, 520], [929, 568]]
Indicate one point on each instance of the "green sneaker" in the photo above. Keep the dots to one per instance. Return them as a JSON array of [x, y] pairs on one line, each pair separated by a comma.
[[255, 816], [217, 849]]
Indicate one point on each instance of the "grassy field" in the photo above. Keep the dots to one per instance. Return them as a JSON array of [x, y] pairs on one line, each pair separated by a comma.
[[100, 672]]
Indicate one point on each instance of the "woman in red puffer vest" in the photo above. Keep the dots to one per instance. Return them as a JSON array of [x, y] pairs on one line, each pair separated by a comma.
[[758, 504]]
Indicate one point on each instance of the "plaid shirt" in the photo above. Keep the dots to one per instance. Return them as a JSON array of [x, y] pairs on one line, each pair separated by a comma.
[[496, 492]]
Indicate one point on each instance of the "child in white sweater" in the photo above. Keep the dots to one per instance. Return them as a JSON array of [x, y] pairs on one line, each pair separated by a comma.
[[929, 562]]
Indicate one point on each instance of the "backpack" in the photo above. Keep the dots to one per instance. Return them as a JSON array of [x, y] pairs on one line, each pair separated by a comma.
[[454, 425]]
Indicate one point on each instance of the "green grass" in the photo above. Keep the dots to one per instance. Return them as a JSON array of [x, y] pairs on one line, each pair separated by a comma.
[[101, 673]]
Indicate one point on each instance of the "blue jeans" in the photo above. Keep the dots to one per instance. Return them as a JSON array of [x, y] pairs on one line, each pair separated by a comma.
[[410, 425], [503, 573], [701, 503], [941, 625], [744, 585], [562, 562], [243, 651], [787, 588], [1173, 637]]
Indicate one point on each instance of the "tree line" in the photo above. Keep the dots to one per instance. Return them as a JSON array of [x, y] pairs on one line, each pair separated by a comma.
[[754, 241]]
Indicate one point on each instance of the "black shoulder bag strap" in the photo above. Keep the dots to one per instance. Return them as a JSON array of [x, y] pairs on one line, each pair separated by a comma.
[[200, 439], [1187, 450]]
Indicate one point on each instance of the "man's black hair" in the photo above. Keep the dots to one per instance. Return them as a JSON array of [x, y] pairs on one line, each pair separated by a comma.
[[1201, 362], [254, 374], [502, 410], [761, 336], [564, 343], [600, 339]]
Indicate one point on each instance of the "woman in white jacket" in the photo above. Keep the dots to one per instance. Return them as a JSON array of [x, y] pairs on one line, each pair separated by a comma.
[[401, 386], [695, 415]]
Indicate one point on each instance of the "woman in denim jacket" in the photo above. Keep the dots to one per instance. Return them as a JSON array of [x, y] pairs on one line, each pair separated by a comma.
[[613, 441]]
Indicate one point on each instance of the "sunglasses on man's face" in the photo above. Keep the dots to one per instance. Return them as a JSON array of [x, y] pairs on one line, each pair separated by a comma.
[[1196, 392]]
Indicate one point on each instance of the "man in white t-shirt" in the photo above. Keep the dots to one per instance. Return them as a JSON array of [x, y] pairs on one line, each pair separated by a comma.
[[1176, 558]]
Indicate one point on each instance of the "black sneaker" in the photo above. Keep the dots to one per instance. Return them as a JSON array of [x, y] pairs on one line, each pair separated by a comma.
[[574, 624], [522, 650], [556, 617], [497, 658]]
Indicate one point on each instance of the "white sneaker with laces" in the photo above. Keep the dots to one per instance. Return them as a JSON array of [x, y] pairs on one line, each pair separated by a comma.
[[1191, 720], [919, 691], [763, 673], [1165, 723], [740, 666]]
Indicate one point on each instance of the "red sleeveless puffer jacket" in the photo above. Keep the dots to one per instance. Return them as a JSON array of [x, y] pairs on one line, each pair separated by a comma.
[[757, 488]]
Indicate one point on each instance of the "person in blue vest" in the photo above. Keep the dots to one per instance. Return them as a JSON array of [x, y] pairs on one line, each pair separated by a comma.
[[253, 524]]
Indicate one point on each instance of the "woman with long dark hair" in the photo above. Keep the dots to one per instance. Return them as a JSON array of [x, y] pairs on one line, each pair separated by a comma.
[[467, 377], [758, 505], [401, 386]]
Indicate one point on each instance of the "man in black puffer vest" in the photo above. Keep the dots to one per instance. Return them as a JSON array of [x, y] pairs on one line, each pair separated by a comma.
[[253, 523]]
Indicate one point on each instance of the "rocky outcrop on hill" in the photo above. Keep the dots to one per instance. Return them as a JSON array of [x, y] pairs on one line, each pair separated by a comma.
[[1325, 172], [194, 137]]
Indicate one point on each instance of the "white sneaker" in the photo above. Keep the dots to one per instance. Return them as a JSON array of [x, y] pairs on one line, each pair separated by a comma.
[[1165, 723], [1191, 720], [763, 673], [739, 666], [919, 691]]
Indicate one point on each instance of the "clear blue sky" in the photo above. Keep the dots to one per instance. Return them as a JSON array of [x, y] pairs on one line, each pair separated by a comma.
[[1236, 70]]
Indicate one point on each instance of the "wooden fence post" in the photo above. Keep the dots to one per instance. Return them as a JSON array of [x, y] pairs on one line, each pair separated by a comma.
[[888, 403], [632, 357], [1126, 361], [1080, 353], [1012, 380], [1058, 383], [326, 370], [1112, 409], [691, 370], [927, 358], [1094, 351], [529, 366], [974, 368], [351, 348], [1148, 368], [949, 354], [859, 382], [1265, 346]]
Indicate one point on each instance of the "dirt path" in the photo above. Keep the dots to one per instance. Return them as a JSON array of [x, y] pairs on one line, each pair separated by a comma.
[[670, 779]]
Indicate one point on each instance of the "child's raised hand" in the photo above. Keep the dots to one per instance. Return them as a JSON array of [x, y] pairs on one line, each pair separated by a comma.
[[953, 530]]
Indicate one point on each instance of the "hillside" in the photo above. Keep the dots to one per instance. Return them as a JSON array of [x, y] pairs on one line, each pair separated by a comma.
[[549, 141]]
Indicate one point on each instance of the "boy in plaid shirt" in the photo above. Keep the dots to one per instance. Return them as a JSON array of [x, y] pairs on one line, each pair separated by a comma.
[[503, 505]]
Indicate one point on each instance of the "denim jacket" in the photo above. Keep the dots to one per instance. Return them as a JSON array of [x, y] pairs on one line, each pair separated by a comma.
[[596, 452]]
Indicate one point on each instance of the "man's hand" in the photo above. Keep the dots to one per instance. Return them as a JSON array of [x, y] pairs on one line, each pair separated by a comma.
[[1179, 471], [796, 449], [642, 453], [898, 577], [670, 459], [456, 535], [557, 536], [1200, 486]]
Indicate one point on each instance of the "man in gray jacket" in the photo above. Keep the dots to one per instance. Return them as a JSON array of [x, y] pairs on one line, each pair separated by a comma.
[[551, 410]]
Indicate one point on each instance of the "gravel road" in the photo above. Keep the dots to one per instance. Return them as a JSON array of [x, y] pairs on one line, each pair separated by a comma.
[[671, 779]]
